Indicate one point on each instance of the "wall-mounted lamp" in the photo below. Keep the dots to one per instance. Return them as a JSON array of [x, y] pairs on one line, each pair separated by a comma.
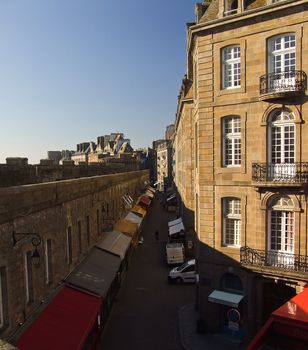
[[36, 241]]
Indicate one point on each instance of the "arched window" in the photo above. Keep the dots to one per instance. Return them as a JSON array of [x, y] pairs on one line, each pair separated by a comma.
[[281, 231], [231, 142], [231, 222], [231, 67], [231, 283], [282, 145]]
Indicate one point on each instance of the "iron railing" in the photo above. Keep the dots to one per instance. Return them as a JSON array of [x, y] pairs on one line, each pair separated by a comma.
[[292, 81], [283, 261], [280, 173]]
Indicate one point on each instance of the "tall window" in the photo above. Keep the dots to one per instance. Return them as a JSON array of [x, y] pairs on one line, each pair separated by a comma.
[[69, 245], [29, 276], [232, 141], [281, 233], [282, 145], [48, 260], [231, 221], [282, 63], [281, 51], [231, 67]]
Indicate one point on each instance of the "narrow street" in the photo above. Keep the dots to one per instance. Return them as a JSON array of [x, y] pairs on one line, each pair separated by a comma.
[[145, 314]]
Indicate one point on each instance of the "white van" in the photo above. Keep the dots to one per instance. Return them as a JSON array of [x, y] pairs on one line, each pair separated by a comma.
[[185, 273], [175, 253]]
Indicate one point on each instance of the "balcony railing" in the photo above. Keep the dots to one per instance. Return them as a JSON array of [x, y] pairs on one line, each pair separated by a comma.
[[283, 261], [292, 82], [288, 173]]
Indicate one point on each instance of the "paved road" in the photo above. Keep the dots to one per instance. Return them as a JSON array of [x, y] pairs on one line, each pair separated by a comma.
[[145, 315]]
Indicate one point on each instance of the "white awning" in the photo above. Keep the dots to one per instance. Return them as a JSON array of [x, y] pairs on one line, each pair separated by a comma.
[[176, 229], [133, 218], [126, 201], [171, 197], [225, 298], [149, 194], [175, 222]]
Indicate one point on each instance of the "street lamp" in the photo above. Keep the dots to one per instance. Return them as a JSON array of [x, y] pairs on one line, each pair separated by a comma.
[[36, 241]]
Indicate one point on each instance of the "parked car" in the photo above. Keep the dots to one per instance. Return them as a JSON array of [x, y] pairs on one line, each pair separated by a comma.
[[185, 273]]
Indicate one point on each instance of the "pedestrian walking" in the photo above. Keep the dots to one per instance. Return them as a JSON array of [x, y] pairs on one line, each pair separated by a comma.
[[156, 235]]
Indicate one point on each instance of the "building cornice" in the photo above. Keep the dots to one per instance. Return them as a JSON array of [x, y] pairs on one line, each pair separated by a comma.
[[247, 14], [180, 108]]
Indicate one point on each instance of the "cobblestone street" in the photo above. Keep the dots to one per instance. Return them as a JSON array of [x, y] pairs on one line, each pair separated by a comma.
[[145, 314]]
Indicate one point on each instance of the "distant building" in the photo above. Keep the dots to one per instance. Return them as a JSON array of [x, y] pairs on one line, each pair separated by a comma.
[[169, 133], [54, 156], [81, 155], [164, 164]]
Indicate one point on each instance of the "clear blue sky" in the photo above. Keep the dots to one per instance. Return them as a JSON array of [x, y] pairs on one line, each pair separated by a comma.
[[72, 70]]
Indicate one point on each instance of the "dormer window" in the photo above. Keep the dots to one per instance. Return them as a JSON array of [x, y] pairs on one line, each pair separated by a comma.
[[230, 7]]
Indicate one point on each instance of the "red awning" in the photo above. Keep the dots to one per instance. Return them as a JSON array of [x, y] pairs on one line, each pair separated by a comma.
[[290, 320], [65, 324], [295, 309], [145, 200]]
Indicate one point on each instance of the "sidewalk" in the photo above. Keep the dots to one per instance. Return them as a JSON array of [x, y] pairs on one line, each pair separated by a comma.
[[191, 340]]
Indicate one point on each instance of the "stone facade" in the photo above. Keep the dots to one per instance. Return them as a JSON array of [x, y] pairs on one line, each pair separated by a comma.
[[69, 216], [164, 164], [245, 173]]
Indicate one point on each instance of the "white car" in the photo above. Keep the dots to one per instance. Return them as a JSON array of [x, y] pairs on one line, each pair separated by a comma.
[[185, 273]]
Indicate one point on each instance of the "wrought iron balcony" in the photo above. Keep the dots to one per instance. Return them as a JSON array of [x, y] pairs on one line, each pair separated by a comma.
[[274, 259], [284, 84], [286, 173]]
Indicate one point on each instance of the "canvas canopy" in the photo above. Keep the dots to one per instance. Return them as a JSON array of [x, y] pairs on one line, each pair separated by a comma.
[[139, 210], [64, 324], [225, 298], [115, 242], [127, 227], [144, 200], [96, 273], [175, 222], [149, 194], [287, 325], [133, 218], [176, 229]]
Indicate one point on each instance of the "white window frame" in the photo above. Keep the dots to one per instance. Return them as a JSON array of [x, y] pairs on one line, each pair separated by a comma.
[[281, 52], [233, 217], [231, 67], [285, 206], [234, 137], [287, 120]]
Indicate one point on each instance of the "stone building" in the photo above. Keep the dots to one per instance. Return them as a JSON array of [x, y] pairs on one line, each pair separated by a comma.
[[169, 132], [241, 157], [46, 230], [82, 152], [164, 164]]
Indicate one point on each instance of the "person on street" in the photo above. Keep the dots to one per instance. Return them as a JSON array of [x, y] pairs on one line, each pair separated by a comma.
[[156, 235]]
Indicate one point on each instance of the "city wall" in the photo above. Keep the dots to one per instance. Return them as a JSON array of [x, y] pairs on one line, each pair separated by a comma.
[[14, 175], [69, 216]]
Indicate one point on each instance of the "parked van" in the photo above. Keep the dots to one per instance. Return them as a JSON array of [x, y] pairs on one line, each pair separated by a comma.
[[185, 273], [175, 253]]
